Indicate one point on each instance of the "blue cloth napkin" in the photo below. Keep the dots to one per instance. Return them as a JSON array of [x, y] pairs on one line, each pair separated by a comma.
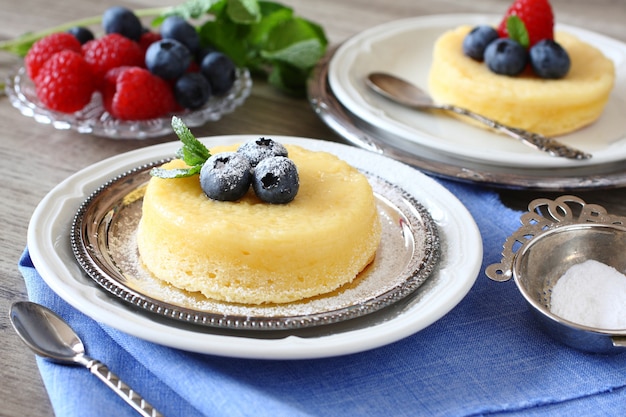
[[485, 357]]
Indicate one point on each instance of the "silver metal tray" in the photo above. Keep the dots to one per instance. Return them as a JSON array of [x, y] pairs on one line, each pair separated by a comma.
[[103, 242], [364, 135]]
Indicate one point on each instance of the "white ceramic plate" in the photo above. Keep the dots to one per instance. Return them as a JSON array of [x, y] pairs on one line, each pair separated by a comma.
[[461, 258], [404, 48]]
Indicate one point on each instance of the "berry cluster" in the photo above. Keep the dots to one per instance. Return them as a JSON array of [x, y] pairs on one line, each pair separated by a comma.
[[261, 163], [525, 36], [141, 74]]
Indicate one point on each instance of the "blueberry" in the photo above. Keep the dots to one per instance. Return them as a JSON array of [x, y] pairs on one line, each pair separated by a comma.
[[275, 180], [220, 70], [549, 60], [226, 176], [168, 58], [475, 42], [506, 57], [259, 149], [121, 20], [192, 90], [81, 33], [175, 27], [204, 51]]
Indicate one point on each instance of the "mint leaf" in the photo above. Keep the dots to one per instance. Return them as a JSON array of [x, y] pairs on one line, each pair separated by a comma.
[[303, 54], [517, 30], [191, 9], [175, 172], [287, 78], [295, 41], [193, 151], [243, 11], [292, 48], [225, 35], [272, 15]]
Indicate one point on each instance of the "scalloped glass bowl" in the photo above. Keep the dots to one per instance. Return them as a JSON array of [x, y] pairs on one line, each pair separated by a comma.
[[93, 119]]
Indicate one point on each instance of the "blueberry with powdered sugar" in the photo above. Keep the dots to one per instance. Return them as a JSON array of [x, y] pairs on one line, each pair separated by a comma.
[[275, 180], [226, 176], [259, 149]]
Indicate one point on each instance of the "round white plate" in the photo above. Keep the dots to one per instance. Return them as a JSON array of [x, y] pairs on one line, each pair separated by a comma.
[[461, 258], [404, 48]]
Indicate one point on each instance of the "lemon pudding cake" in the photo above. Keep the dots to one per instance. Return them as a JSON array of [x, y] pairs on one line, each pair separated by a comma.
[[252, 252], [528, 97]]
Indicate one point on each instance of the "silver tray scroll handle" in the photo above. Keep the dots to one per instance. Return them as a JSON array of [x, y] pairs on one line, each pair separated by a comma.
[[544, 215]]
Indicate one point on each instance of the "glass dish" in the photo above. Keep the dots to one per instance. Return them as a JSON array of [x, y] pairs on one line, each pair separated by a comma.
[[94, 120]]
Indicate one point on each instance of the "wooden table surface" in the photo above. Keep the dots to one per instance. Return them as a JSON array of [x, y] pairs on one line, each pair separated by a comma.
[[36, 157]]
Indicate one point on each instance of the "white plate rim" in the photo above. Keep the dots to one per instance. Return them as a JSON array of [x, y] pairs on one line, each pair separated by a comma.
[[346, 83], [52, 256]]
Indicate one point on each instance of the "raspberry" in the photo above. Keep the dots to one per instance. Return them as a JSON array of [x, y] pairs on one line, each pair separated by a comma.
[[44, 48], [136, 94], [65, 82], [537, 17], [110, 51], [147, 39], [109, 86]]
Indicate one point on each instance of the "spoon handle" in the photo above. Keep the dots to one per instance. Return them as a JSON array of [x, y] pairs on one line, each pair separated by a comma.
[[535, 140], [116, 384]]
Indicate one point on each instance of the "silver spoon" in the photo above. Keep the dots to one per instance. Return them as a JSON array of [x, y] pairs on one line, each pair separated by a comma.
[[51, 337], [408, 94]]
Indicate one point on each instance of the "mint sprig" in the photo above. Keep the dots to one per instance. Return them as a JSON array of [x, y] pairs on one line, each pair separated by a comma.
[[193, 153], [264, 36], [517, 30]]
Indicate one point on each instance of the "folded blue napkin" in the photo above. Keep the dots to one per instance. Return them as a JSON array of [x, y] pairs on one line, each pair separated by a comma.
[[485, 357]]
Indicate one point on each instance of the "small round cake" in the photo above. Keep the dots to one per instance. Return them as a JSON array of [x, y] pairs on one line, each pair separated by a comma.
[[251, 252], [546, 106]]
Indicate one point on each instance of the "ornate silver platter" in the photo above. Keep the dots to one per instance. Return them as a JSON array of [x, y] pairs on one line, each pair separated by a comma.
[[103, 242], [360, 133]]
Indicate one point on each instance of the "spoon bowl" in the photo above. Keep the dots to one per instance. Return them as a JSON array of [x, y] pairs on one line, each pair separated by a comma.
[[46, 333], [49, 336], [408, 94], [400, 91]]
